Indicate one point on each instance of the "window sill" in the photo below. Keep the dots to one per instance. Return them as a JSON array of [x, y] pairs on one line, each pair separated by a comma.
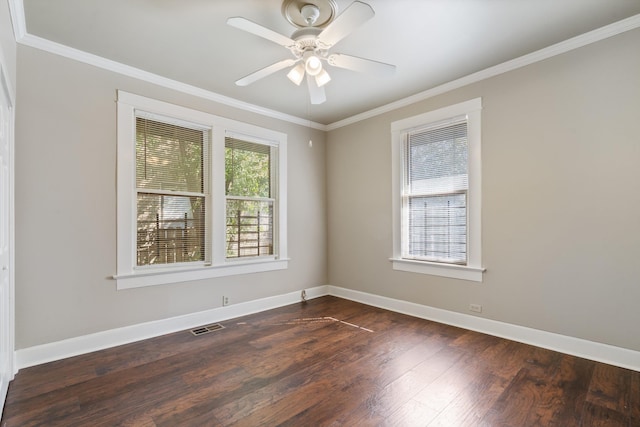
[[463, 272], [152, 277]]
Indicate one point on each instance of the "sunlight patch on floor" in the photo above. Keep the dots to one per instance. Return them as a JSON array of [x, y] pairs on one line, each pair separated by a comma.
[[313, 320]]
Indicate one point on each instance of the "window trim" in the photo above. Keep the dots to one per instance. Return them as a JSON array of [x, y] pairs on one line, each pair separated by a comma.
[[129, 275], [473, 271]]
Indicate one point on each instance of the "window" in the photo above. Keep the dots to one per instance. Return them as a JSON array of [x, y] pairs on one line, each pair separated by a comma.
[[199, 196], [171, 192], [436, 168], [435, 193], [248, 188]]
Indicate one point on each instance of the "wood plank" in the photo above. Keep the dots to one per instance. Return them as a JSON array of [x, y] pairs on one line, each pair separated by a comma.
[[571, 382], [634, 399], [610, 387], [519, 404], [327, 362], [599, 416], [344, 402], [398, 394], [471, 405], [411, 413], [50, 376], [555, 396], [256, 386], [49, 413]]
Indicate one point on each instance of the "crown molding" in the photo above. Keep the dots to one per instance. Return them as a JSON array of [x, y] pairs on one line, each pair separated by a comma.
[[21, 35], [126, 70], [585, 39], [19, 25]]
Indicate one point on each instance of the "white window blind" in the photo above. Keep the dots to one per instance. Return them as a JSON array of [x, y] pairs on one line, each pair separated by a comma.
[[250, 198], [435, 193], [171, 192]]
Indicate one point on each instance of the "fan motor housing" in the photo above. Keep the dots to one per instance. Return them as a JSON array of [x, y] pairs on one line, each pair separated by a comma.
[[306, 39]]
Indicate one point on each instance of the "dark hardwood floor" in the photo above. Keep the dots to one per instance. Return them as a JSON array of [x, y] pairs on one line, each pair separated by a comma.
[[329, 362]]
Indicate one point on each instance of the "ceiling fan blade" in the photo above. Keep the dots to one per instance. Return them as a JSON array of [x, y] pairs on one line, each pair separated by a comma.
[[354, 63], [316, 94], [355, 15], [264, 72], [257, 29]]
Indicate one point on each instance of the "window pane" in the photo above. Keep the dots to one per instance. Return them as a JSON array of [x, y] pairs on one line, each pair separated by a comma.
[[438, 160], [170, 229], [438, 228], [247, 168], [169, 157], [249, 228], [437, 182]]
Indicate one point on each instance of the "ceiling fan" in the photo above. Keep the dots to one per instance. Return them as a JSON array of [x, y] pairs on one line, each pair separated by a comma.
[[318, 31]]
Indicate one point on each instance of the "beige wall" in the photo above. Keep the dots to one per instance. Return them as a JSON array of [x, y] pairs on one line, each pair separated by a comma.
[[66, 207], [560, 204]]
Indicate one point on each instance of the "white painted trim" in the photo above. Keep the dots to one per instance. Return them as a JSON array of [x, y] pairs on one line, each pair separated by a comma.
[[126, 70], [16, 9], [44, 353], [7, 330], [216, 265], [470, 109], [599, 352], [434, 116], [452, 271], [591, 350], [577, 42], [141, 278], [19, 24]]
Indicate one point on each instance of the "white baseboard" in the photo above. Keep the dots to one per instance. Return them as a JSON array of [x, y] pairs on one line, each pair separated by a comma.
[[591, 350], [49, 352], [599, 352]]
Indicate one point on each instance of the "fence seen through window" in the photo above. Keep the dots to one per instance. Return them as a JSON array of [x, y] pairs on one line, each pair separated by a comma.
[[249, 199], [171, 198]]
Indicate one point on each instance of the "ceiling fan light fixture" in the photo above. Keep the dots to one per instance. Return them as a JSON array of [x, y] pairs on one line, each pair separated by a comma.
[[296, 74], [310, 44], [313, 65], [323, 78]]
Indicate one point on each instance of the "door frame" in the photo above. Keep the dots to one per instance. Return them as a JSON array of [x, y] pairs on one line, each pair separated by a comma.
[[7, 330]]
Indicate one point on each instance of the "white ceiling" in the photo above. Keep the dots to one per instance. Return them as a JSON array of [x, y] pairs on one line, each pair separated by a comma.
[[431, 42]]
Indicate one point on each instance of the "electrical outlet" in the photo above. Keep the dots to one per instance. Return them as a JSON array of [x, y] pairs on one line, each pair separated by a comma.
[[225, 300], [477, 308]]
